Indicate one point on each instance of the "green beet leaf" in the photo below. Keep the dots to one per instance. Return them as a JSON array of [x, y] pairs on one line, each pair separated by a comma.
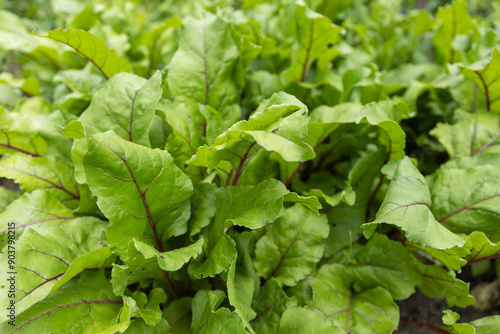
[[278, 125], [467, 200], [149, 206], [269, 305], [407, 206], [291, 246], [302, 320], [209, 318], [440, 283], [486, 78], [205, 68], [93, 49], [368, 311], [84, 304]]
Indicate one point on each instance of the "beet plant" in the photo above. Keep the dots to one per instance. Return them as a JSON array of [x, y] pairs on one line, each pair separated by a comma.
[[247, 166]]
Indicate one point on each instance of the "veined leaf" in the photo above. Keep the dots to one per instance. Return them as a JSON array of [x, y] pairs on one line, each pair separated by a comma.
[[472, 135], [487, 325], [147, 307], [301, 320], [93, 49], [35, 210], [386, 264], [7, 196], [209, 318], [482, 248], [279, 125], [440, 283], [407, 206], [291, 246], [205, 67], [369, 311], [486, 77], [269, 305], [316, 34], [149, 206], [125, 104], [178, 314], [45, 262], [468, 200], [455, 20], [86, 304], [15, 135], [41, 173]]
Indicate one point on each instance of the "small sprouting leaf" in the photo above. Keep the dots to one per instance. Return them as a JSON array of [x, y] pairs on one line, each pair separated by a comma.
[[301, 320], [147, 307], [74, 129], [407, 206], [292, 245], [93, 49], [131, 200], [368, 311], [310, 202]]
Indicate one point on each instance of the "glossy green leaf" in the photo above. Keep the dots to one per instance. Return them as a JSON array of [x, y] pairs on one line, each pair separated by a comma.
[[35, 210], [209, 318], [279, 125], [86, 304], [291, 246], [316, 33], [301, 320], [93, 49], [44, 262], [468, 200], [368, 311], [178, 315], [129, 199], [205, 67], [440, 283], [387, 264], [486, 78], [41, 173], [407, 206]]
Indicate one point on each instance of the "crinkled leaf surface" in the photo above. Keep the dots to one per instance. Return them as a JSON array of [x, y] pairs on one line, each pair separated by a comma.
[[368, 311], [468, 200], [149, 206], [291, 246], [82, 305], [387, 264], [41, 173], [45, 262], [93, 49], [35, 210], [279, 125], [407, 206], [205, 67]]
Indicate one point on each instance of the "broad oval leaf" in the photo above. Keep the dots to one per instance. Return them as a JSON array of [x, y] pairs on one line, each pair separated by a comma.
[[150, 206], [291, 246]]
